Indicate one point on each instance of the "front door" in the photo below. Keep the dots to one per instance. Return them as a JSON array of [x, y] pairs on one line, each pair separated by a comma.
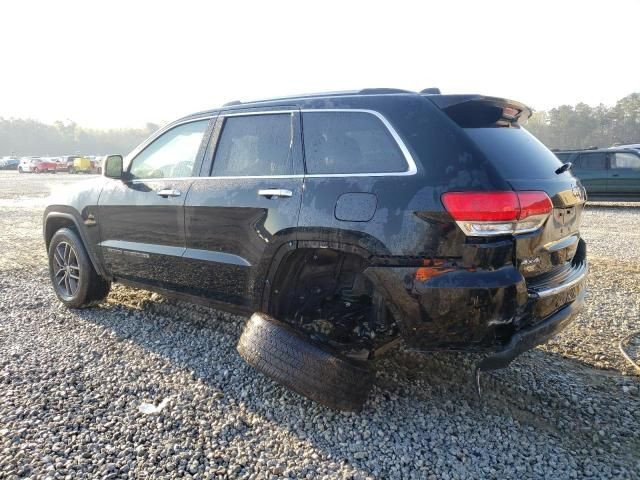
[[624, 174], [238, 216], [591, 169], [141, 219]]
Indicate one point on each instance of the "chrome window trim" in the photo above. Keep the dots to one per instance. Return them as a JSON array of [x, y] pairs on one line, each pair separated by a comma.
[[261, 112], [411, 164]]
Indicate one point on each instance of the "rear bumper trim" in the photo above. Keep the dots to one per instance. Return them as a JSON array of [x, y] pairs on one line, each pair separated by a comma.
[[579, 274]]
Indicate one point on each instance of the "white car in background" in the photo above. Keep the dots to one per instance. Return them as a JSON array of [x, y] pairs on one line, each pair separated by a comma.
[[27, 164]]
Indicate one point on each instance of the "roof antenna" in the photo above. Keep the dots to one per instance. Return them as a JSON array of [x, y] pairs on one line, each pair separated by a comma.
[[431, 91]]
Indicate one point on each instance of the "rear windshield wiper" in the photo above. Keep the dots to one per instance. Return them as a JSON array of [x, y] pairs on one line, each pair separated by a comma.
[[564, 168]]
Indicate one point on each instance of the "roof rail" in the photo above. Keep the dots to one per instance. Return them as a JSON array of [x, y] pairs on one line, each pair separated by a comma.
[[382, 91], [366, 91], [576, 149]]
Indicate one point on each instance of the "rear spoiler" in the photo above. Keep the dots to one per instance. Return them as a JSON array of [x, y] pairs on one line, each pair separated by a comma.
[[480, 110]]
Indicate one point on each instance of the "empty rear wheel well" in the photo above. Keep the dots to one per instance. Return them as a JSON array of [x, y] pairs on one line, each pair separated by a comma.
[[324, 292]]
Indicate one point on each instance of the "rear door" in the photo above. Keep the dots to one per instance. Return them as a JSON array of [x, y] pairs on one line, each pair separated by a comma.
[[624, 173], [141, 219], [245, 206], [591, 169]]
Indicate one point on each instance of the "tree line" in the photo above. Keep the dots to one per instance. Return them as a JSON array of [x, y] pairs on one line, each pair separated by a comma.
[[583, 126], [567, 126], [30, 137]]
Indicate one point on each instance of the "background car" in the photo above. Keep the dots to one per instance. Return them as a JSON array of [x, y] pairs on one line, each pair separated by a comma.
[[36, 165], [26, 164], [9, 163], [606, 172], [634, 146], [82, 164]]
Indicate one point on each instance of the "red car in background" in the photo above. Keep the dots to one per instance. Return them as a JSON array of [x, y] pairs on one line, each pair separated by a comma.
[[45, 165]]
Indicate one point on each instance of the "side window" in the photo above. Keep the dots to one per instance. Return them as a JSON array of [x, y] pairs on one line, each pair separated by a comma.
[[592, 161], [625, 160], [255, 145], [349, 142], [172, 154]]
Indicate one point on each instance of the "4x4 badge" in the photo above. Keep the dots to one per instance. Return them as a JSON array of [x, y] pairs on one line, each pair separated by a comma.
[[577, 191]]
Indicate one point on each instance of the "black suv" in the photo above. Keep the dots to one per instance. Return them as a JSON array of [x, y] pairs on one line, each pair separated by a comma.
[[606, 173], [351, 222]]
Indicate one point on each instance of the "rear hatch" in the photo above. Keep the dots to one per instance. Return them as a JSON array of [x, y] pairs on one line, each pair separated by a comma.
[[493, 124]]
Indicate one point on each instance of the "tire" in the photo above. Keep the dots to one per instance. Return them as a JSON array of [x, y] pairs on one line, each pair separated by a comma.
[[90, 288], [295, 361], [20, 170], [72, 170], [35, 170]]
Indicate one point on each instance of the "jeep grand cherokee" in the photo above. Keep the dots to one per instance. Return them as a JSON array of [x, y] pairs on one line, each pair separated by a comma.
[[350, 222]]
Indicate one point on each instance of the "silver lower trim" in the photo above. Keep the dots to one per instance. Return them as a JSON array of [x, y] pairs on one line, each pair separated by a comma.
[[549, 292]]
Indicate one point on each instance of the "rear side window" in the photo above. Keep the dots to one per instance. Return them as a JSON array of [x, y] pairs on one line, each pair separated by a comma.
[[592, 161], [255, 145], [515, 152], [625, 160], [349, 142]]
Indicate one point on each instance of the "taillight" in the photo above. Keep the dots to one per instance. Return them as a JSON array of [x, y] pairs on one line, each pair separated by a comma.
[[498, 213]]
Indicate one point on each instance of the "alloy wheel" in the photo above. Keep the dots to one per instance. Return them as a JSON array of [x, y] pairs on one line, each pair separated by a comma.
[[66, 269]]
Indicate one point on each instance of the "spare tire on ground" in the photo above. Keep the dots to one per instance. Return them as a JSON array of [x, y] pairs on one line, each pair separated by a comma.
[[306, 367]]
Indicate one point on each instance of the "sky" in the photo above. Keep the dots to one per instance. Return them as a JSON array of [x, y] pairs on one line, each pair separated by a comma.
[[113, 64]]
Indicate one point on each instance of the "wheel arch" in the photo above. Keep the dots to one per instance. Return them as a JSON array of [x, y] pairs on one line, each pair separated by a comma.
[[285, 254], [55, 220]]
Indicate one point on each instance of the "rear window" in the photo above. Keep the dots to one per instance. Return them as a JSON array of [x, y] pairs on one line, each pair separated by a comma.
[[515, 152], [349, 142]]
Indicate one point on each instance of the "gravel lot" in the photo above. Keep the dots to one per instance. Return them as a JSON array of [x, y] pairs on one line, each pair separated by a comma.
[[72, 382]]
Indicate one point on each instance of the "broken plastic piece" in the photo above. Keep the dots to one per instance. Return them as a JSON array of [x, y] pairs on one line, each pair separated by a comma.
[[151, 409]]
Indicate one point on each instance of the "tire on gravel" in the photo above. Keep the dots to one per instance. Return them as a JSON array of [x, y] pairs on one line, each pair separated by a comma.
[[92, 287], [295, 361]]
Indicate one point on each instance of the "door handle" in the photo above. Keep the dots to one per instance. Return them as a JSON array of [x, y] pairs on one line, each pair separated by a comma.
[[168, 192], [275, 193], [615, 174]]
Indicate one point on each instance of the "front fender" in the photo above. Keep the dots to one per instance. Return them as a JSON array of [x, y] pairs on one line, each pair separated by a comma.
[[60, 216]]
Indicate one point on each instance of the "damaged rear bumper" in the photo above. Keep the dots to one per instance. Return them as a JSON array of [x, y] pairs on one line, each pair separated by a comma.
[[496, 312], [528, 338]]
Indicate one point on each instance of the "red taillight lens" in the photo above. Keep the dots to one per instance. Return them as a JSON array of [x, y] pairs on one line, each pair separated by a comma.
[[482, 206], [497, 213], [534, 203]]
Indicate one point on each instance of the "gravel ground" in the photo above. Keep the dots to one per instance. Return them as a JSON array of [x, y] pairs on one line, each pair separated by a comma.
[[72, 382]]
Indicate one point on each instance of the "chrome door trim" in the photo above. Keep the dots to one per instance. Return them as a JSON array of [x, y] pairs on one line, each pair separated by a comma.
[[275, 192]]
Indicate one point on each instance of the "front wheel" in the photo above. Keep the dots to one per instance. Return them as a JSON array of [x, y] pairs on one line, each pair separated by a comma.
[[20, 170], [72, 170], [74, 279]]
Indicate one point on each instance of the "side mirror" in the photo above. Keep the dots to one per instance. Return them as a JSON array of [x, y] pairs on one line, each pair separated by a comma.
[[113, 167]]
